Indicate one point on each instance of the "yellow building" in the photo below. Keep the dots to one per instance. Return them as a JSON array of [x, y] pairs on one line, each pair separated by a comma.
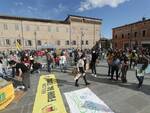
[[31, 33]]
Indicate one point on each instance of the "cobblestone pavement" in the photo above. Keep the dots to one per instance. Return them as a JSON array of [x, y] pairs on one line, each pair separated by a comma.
[[121, 98]]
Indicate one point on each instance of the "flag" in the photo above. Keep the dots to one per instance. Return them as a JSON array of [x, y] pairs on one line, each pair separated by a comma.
[[18, 46]]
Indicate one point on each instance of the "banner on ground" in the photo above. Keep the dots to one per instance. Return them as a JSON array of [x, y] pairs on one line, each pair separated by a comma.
[[6, 95], [48, 98], [85, 101]]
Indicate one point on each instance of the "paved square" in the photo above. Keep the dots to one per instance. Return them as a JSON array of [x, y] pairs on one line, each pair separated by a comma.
[[121, 98]]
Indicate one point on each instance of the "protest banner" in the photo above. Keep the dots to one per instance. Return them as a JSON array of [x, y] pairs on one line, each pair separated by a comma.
[[6, 94], [48, 98], [85, 101]]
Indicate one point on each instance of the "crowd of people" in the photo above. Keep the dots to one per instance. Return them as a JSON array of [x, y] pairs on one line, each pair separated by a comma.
[[120, 61], [22, 64]]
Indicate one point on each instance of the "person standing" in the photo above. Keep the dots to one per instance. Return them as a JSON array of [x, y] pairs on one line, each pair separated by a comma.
[[109, 61], [141, 71], [93, 62], [124, 67], [63, 62], [115, 66], [80, 68], [49, 62]]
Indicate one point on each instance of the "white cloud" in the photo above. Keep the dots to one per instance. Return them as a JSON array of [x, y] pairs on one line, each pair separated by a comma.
[[60, 8], [90, 4], [32, 8], [18, 3]]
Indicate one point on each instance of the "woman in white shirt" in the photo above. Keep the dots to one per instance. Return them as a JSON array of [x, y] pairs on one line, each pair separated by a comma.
[[80, 67], [63, 62]]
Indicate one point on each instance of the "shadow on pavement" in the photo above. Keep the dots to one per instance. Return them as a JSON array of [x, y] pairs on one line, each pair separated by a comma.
[[62, 82], [133, 86]]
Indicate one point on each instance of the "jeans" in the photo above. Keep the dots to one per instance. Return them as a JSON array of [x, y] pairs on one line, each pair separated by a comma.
[[13, 72], [93, 67], [63, 67], [109, 69], [115, 69], [140, 79], [49, 67]]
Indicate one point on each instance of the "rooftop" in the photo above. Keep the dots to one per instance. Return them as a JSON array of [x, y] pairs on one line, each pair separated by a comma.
[[144, 20], [44, 20]]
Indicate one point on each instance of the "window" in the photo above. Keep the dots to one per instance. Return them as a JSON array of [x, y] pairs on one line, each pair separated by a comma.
[[49, 29], [19, 41], [67, 42], [7, 42], [82, 42], [128, 35], [116, 45], [27, 28], [67, 30], [115, 36], [122, 35], [16, 27], [57, 29], [5, 27], [29, 43], [143, 33], [74, 42], [135, 34], [1, 42], [58, 42], [87, 42], [39, 43]]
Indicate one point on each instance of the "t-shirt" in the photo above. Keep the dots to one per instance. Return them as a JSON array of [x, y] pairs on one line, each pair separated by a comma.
[[21, 66], [80, 63], [62, 59]]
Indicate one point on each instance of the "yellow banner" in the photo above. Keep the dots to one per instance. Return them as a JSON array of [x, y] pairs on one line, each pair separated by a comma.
[[18, 46], [48, 98], [6, 95]]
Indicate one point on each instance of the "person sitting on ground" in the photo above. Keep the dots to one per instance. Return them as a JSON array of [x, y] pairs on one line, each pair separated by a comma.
[[22, 72]]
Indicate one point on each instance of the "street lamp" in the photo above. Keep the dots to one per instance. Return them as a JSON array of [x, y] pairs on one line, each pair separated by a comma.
[[82, 34], [35, 40]]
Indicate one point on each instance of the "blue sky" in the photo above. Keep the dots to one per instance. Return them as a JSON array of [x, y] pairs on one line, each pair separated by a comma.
[[113, 12]]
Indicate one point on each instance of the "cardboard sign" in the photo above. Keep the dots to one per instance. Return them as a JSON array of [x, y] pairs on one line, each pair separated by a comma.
[[48, 98], [85, 101]]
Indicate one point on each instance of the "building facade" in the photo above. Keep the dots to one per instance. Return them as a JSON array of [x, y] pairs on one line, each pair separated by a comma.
[[132, 35], [105, 43], [31, 33]]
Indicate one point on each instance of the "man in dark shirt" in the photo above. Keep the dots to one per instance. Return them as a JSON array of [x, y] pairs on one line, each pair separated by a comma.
[[93, 62]]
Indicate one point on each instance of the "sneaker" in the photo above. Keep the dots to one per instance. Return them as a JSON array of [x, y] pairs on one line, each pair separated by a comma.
[[38, 71], [95, 75], [92, 74], [20, 87], [87, 84], [77, 85]]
